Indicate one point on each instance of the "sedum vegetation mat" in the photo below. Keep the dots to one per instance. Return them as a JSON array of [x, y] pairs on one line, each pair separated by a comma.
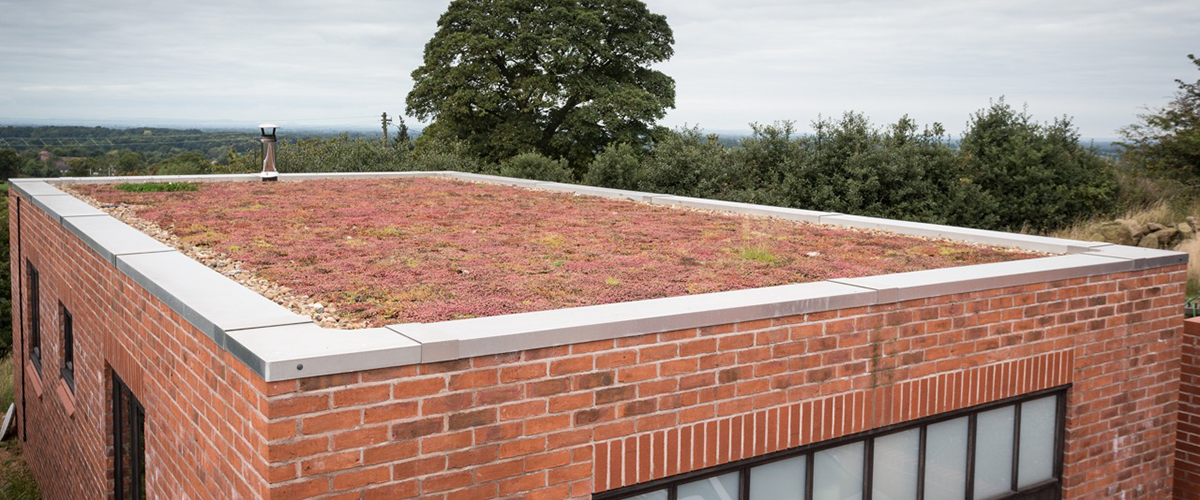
[[376, 252]]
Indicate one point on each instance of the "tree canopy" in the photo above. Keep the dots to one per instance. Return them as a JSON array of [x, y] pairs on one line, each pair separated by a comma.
[[10, 163], [1168, 140], [563, 78]]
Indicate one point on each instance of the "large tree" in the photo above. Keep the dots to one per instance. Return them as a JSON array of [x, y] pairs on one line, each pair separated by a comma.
[[1168, 140], [560, 77]]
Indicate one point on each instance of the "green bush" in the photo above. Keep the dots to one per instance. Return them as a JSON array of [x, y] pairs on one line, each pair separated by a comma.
[[850, 166], [615, 167], [1020, 175], [536, 166], [686, 163], [1008, 173], [431, 154]]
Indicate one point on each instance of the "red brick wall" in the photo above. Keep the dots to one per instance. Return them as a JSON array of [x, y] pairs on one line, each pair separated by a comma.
[[565, 422], [205, 423], [1187, 475]]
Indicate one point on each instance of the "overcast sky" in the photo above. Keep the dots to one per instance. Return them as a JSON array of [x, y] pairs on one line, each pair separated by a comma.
[[316, 63]]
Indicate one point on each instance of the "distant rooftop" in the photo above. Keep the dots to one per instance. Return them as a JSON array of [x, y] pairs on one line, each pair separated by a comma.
[[374, 252]]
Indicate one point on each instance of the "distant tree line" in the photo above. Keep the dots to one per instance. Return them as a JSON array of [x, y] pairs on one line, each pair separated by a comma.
[[53, 151], [1007, 171]]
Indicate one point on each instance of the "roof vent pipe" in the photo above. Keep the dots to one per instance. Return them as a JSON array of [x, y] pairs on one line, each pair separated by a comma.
[[268, 138]]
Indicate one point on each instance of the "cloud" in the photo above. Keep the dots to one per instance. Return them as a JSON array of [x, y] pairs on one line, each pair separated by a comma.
[[937, 61], [735, 62]]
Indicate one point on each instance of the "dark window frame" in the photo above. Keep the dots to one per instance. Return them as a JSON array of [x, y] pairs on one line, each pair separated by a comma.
[[68, 346], [129, 443], [35, 317], [743, 467]]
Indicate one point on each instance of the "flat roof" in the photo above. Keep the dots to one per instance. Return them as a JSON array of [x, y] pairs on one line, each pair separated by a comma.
[[279, 344], [372, 252]]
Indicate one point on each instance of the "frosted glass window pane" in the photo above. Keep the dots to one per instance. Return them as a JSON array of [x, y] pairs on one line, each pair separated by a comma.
[[1038, 421], [653, 495], [993, 452], [723, 487], [946, 460], [782, 480], [896, 459], [838, 473]]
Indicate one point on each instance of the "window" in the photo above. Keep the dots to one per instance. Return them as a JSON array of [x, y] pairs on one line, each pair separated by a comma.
[[68, 347], [1008, 450], [35, 319], [129, 443]]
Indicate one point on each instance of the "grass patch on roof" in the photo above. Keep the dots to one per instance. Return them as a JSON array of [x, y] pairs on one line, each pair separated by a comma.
[[157, 187]]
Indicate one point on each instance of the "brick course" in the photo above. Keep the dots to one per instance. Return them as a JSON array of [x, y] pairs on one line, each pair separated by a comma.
[[570, 421]]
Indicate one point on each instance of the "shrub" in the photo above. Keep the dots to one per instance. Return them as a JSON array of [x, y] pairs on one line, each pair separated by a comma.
[[435, 155], [615, 167], [688, 163], [850, 166], [1017, 174], [537, 167]]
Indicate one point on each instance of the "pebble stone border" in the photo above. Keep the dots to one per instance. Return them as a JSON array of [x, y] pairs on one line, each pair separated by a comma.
[[281, 345]]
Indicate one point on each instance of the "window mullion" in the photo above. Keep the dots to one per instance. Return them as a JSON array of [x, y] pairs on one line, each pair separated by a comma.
[[971, 456], [744, 483], [921, 463], [1016, 446], [868, 466], [1060, 430], [808, 476]]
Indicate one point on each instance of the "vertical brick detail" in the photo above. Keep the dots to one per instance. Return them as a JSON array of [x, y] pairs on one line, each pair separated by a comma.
[[1187, 448], [846, 414]]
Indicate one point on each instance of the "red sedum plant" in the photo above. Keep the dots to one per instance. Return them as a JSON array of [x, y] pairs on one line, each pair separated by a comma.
[[425, 250]]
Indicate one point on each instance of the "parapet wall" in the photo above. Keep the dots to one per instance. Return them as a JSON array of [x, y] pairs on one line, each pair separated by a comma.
[[206, 411], [568, 421], [564, 404], [1187, 476]]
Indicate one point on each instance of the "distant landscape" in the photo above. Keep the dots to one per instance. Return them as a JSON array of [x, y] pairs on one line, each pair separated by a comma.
[[51, 150]]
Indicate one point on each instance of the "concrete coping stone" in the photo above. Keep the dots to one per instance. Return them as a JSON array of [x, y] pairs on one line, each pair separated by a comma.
[[1142, 258], [794, 214], [144, 179], [463, 338], [112, 238], [204, 297], [982, 236], [602, 192], [35, 187], [307, 350], [900, 287], [351, 175], [274, 341], [491, 179], [59, 207]]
